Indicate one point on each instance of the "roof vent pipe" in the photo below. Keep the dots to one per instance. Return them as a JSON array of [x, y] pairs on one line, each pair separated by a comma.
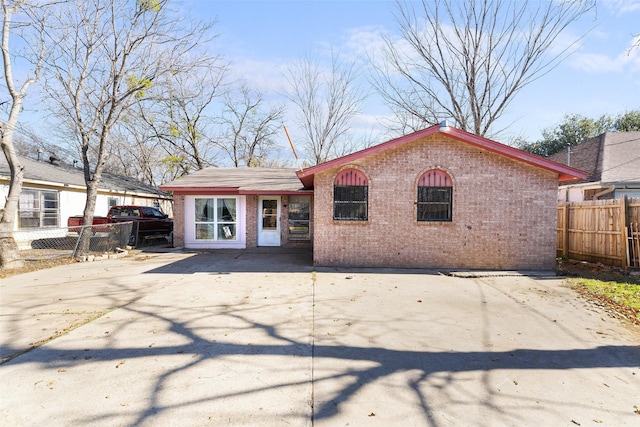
[[444, 126]]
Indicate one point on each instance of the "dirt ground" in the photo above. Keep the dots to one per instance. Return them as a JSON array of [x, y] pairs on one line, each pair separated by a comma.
[[34, 263], [595, 271]]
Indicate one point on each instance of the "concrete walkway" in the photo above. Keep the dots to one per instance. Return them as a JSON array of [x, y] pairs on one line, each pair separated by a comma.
[[260, 338]]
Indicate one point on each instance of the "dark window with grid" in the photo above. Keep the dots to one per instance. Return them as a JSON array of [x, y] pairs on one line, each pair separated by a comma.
[[435, 190], [434, 203], [350, 195], [350, 202]]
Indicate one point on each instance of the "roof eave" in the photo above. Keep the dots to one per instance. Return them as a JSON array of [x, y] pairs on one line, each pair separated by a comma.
[[232, 191], [565, 173], [74, 187], [199, 189], [276, 192], [306, 175]]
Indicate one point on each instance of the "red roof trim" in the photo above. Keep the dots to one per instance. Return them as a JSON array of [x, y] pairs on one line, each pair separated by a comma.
[[565, 173]]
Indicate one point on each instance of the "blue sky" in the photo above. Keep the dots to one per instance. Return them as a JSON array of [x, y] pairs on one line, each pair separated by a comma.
[[259, 39]]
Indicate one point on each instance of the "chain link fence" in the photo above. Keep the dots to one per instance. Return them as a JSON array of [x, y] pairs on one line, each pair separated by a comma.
[[53, 243]]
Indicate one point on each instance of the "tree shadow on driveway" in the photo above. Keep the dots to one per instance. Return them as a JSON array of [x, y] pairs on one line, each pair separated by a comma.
[[197, 347], [260, 347]]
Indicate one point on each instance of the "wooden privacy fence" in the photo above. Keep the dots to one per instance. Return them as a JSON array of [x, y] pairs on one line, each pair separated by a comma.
[[606, 231]]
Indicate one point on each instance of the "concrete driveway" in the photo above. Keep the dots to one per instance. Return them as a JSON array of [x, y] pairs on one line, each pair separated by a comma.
[[260, 338]]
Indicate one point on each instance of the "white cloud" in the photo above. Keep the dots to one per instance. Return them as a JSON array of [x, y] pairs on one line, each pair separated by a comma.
[[263, 75], [629, 59], [363, 40], [622, 6]]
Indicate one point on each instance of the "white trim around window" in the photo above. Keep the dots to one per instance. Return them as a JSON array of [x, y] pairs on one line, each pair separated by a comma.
[[220, 222], [39, 208]]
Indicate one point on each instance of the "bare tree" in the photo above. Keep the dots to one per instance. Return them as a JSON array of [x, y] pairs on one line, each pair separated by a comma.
[[467, 60], [29, 143], [107, 56], [635, 44], [326, 102], [32, 20], [179, 116], [247, 129], [135, 152]]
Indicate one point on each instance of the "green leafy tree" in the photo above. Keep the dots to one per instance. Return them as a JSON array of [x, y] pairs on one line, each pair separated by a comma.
[[628, 122], [575, 129]]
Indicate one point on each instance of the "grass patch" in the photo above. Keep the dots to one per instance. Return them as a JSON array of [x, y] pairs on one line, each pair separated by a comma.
[[622, 295]]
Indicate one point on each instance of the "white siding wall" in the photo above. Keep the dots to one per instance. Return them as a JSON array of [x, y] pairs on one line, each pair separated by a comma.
[[71, 203]]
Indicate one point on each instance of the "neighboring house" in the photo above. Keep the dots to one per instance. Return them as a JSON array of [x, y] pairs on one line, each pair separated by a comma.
[[53, 191], [612, 161], [437, 198]]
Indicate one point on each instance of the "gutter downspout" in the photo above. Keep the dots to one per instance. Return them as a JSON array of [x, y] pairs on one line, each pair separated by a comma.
[[607, 190]]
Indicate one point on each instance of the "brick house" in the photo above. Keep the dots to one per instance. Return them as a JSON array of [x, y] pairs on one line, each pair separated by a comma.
[[437, 198], [611, 164]]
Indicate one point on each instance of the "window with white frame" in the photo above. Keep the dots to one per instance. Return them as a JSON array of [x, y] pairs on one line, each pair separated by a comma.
[[216, 218], [39, 208]]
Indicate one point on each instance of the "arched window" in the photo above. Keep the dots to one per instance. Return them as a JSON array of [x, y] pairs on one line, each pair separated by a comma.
[[350, 196], [435, 191]]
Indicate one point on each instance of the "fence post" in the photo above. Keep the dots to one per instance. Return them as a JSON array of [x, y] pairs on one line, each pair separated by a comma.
[[565, 231], [623, 232]]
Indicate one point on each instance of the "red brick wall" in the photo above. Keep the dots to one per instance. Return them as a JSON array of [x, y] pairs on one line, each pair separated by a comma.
[[178, 221], [252, 221], [504, 212]]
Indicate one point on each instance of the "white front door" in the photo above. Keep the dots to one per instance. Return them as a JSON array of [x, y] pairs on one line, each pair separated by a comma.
[[269, 221]]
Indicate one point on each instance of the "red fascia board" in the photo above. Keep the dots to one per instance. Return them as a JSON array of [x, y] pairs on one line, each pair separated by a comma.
[[565, 173], [306, 175]]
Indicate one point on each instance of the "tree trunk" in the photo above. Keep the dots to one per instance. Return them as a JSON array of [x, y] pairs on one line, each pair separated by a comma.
[[87, 219], [9, 254]]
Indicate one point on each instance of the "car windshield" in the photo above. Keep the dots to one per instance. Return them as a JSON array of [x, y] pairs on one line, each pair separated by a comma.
[[152, 212]]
